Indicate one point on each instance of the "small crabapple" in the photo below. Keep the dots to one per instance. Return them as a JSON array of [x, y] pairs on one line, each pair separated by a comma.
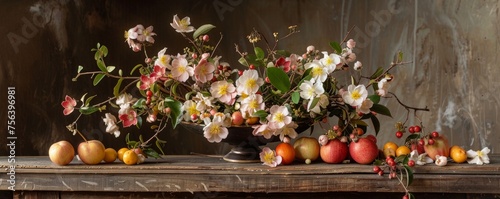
[[411, 163], [381, 172], [399, 134], [421, 142], [376, 169], [434, 134], [251, 66], [411, 129], [417, 128], [430, 141]]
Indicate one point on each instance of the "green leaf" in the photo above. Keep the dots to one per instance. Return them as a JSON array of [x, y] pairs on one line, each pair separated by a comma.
[[381, 109], [175, 110], [202, 30], [283, 53], [80, 68], [151, 153], [110, 69], [279, 79], [135, 67], [243, 61], [376, 124], [411, 137], [336, 46], [87, 102], [374, 98], [261, 114], [87, 110], [296, 97], [377, 73], [140, 103], [139, 122], [116, 89], [313, 103], [259, 53], [409, 175], [400, 57], [104, 50], [159, 144], [102, 66], [98, 78]]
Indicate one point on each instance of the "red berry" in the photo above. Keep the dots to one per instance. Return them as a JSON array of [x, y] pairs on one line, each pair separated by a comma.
[[411, 129], [392, 175], [430, 141], [399, 134], [268, 80], [388, 158], [220, 67], [194, 117], [206, 38], [435, 134], [376, 169], [335, 127], [406, 196], [391, 162], [411, 163], [381, 173], [421, 142], [240, 72], [417, 129], [251, 66], [149, 93]]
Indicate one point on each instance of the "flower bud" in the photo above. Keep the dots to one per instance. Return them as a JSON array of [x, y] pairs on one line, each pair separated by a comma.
[[323, 140], [441, 160], [206, 38], [310, 49], [358, 66], [351, 43]]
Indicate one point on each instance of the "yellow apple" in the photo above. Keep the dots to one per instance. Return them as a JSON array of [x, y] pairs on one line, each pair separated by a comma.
[[61, 153], [91, 152]]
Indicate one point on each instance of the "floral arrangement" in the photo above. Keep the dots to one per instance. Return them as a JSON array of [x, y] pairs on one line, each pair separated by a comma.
[[275, 92]]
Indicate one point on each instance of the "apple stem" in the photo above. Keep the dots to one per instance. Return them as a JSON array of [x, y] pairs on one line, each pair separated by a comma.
[[81, 135]]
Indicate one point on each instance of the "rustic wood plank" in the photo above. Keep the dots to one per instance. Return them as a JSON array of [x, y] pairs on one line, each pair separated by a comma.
[[210, 175], [37, 195]]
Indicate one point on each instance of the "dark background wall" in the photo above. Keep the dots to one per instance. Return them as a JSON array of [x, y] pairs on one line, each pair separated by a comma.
[[452, 46]]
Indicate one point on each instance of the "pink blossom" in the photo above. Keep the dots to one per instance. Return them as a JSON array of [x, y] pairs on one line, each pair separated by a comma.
[[158, 72], [204, 71], [284, 64], [129, 118], [268, 157], [69, 104], [146, 82], [147, 35]]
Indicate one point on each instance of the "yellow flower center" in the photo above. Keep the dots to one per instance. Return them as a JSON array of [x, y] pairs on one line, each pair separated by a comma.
[[222, 89], [250, 83], [269, 157], [355, 95], [215, 130], [192, 109], [181, 69], [253, 104], [279, 117], [184, 22], [328, 61], [480, 154], [317, 71]]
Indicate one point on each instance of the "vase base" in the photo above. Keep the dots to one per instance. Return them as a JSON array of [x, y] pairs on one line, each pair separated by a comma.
[[240, 154]]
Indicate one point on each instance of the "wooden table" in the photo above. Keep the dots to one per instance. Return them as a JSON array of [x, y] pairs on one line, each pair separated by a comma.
[[212, 177]]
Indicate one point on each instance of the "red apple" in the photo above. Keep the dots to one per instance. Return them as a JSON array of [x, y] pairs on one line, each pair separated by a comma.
[[306, 148], [237, 118], [334, 151], [61, 153], [364, 151], [420, 148], [372, 138], [440, 147], [91, 152]]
